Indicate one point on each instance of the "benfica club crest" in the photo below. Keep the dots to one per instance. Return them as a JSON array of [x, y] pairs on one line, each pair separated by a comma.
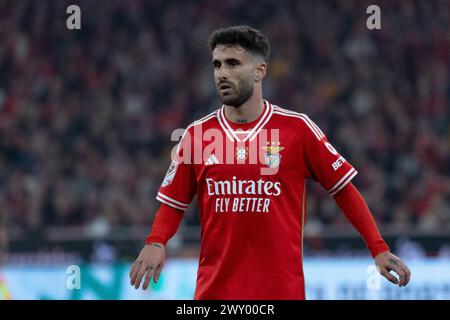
[[241, 153], [272, 157]]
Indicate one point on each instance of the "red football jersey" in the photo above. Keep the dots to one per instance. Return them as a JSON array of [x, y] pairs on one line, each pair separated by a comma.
[[251, 186]]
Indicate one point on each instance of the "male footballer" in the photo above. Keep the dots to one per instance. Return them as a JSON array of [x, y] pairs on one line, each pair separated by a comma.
[[248, 163]]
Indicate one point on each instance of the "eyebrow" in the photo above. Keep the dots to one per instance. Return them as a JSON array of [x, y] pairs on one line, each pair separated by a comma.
[[228, 60]]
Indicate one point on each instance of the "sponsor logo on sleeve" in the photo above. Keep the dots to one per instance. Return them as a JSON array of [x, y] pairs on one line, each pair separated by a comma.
[[168, 179]]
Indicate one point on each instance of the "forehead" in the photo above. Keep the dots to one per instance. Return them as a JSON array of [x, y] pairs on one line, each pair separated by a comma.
[[223, 52]]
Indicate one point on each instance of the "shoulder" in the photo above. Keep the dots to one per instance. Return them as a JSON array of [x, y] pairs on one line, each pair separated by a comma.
[[207, 120], [299, 120], [189, 135]]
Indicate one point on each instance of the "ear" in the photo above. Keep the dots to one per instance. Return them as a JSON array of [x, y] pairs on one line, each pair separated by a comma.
[[260, 72]]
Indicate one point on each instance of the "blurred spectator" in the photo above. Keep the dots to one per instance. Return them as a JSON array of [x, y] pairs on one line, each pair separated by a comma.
[[86, 116], [3, 238]]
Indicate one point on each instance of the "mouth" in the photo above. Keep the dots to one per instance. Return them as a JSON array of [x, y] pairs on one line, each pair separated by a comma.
[[224, 87]]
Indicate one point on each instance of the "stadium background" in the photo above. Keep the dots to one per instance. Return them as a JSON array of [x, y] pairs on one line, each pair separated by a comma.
[[86, 118]]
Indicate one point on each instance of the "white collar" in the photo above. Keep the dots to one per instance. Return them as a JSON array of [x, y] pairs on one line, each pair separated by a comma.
[[249, 134]]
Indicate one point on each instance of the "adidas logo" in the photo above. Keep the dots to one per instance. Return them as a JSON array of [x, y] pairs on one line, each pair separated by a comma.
[[211, 160]]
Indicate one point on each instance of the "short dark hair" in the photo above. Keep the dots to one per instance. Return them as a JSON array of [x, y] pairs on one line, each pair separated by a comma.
[[247, 37]]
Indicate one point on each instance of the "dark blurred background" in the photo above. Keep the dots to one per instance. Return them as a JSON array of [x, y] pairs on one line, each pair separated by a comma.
[[86, 117]]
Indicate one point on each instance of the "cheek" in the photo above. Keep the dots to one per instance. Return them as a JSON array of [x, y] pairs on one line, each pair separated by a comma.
[[250, 75], [248, 81], [245, 79]]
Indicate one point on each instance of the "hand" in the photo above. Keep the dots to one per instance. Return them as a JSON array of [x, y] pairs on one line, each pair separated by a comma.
[[149, 263], [386, 262]]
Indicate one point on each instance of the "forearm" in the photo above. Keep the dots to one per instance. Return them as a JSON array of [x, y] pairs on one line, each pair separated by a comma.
[[165, 225], [355, 208]]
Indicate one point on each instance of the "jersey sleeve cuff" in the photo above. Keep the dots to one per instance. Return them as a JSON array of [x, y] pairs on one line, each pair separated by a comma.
[[343, 182], [171, 202], [378, 247]]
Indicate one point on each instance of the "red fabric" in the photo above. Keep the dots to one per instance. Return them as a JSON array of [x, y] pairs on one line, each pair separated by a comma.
[[252, 220], [165, 225], [356, 210]]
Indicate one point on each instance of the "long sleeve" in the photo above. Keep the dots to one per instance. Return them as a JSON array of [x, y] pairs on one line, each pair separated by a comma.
[[355, 208], [165, 225]]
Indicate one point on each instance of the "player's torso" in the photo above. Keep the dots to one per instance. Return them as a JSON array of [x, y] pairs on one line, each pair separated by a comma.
[[259, 176], [252, 205]]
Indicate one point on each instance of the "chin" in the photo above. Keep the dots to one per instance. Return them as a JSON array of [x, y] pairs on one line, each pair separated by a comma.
[[231, 101]]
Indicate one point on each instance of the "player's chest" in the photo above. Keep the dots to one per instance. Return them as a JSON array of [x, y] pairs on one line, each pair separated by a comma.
[[273, 153]]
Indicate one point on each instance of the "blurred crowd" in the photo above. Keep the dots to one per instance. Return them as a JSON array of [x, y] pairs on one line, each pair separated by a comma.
[[86, 115]]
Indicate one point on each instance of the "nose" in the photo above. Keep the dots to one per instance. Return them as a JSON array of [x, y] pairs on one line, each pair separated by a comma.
[[221, 74]]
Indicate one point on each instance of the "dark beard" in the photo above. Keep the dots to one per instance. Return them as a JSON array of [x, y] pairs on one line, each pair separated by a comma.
[[242, 96]]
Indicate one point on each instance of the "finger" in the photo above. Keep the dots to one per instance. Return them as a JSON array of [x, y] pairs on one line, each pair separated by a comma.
[[133, 266], [407, 272], [402, 275], [148, 277], [135, 273], [385, 273], [140, 276], [158, 273]]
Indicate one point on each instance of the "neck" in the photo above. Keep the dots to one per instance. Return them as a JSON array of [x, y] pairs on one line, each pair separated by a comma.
[[247, 112]]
